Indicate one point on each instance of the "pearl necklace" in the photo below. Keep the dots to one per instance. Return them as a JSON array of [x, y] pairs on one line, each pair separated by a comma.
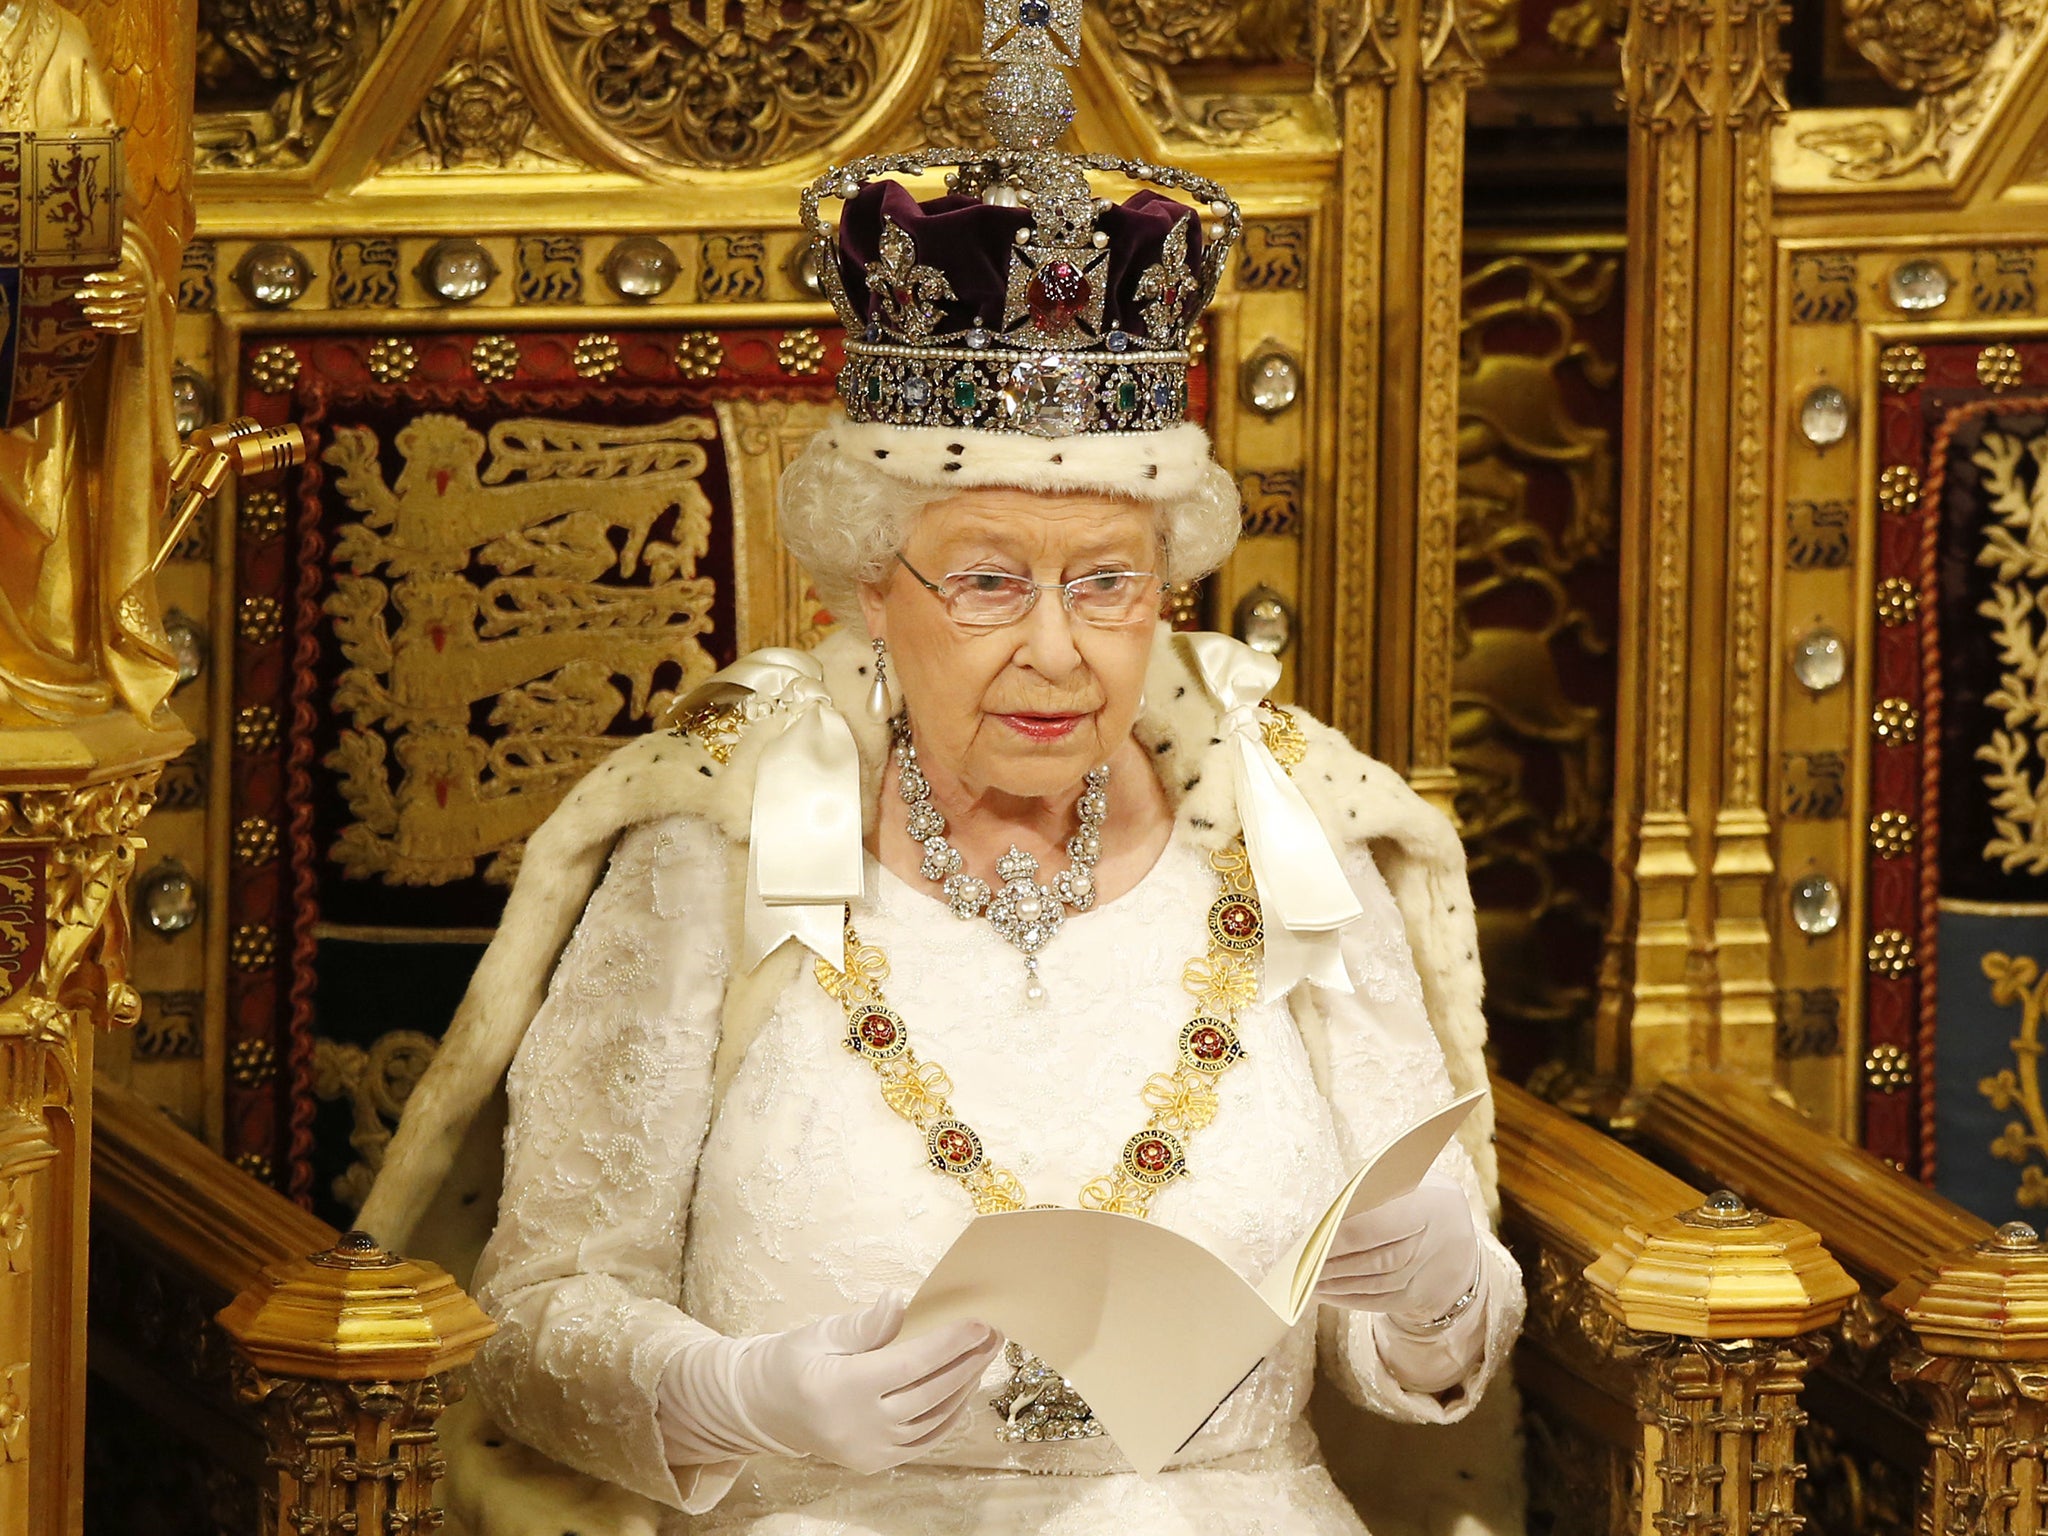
[[1024, 912]]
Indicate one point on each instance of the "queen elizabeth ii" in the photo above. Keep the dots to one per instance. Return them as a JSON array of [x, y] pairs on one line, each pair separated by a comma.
[[1003, 896]]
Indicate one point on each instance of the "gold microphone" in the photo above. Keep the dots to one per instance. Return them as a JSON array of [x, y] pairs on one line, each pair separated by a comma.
[[212, 456]]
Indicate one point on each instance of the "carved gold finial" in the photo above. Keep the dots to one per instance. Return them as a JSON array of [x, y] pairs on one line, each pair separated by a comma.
[[1722, 1271], [348, 1357], [355, 1313], [1989, 1302]]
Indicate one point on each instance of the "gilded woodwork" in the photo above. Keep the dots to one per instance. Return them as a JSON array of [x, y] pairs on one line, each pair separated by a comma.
[[299, 63], [704, 84], [349, 1357], [1670, 1368], [1690, 945], [1530, 738], [1154, 37], [1958, 60], [1981, 1321]]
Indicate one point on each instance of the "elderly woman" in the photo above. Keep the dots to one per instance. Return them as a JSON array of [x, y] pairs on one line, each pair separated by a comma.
[[1013, 899]]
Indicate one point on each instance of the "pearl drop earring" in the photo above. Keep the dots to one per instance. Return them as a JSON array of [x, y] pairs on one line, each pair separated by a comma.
[[878, 691]]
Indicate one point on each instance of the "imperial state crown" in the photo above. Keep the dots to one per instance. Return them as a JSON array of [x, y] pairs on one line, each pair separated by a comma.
[[1022, 300]]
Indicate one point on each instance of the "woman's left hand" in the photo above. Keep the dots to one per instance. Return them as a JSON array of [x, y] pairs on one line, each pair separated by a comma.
[[1416, 1255]]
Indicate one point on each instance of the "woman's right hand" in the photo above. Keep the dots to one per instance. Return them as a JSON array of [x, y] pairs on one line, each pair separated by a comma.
[[844, 1389]]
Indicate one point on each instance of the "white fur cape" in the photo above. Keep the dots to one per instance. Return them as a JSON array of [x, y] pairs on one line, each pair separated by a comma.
[[429, 1168]]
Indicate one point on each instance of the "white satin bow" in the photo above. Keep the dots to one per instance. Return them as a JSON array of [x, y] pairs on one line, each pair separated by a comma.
[[1303, 892], [804, 856]]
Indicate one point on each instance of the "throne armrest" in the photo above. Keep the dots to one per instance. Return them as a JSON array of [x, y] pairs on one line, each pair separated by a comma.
[[1652, 1310]]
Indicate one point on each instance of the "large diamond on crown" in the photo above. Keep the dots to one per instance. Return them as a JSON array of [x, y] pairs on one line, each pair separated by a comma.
[[1048, 396]]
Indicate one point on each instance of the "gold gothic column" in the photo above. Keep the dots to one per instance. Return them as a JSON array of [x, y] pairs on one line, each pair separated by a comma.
[[1687, 980], [85, 666], [1400, 70]]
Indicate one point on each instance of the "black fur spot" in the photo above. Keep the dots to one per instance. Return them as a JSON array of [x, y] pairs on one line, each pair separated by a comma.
[[1200, 824], [1151, 471], [1181, 692], [1163, 748], [956, 449], [949, 468], [863, 671], [494, 1444], [1215, 741], [881, 453], [705, 770], [1059, 458], [1189, 787]]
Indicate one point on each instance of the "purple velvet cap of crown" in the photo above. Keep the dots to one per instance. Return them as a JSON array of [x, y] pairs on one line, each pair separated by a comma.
[[971, 242]]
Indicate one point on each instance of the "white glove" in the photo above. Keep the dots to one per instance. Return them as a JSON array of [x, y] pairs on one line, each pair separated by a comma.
[[1414, 1257], [841, 1389]]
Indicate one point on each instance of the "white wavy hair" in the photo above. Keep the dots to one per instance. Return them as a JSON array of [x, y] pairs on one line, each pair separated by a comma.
[[844, 518]]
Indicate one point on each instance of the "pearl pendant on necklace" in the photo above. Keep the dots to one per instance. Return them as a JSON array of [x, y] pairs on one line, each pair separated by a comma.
[[1026, 912]]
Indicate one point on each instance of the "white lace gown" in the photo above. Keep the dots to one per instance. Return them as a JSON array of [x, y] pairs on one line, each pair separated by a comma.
[[635, 1219]]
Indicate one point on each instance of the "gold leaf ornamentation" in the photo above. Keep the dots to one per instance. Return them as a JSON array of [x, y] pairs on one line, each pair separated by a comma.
[[1902, 367], [597, 357], [274, 369], [1898, 488], [693, 84], [392, 360], [1222, 983], [715, 727], [700, 354], [494, 359], [801, 352], [1998, 368]]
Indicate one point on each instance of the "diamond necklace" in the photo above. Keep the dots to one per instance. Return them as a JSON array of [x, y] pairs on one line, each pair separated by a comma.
[[1024, 912]]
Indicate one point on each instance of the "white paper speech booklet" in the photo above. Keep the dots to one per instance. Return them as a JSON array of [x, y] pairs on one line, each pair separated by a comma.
[[1152, 1329]]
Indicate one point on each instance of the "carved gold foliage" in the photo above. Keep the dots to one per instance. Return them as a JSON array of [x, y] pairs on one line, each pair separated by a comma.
[[375, 1083], [1495, 26], [496, 574], [1985, 1422], [707, 83], [1585, 26], [14, 1414], [1956, 56], [1918, 46], [2015, 548], [1155, 37], [324, 1437], [313, 53], [480, 110]]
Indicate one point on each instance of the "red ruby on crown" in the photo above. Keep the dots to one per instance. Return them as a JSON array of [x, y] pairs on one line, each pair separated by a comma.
[[1057, 295]]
